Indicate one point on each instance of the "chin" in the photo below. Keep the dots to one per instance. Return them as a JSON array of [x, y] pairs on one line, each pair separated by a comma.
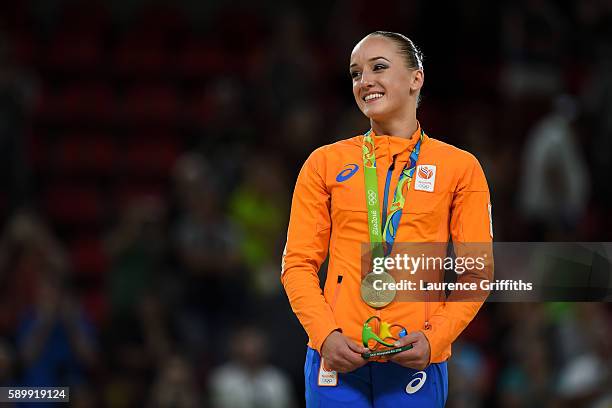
[[376, 114]]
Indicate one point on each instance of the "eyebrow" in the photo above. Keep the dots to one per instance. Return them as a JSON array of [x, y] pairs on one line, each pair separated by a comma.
[[371, 59]]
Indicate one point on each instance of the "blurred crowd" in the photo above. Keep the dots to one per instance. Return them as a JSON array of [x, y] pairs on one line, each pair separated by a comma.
[[148, 154]]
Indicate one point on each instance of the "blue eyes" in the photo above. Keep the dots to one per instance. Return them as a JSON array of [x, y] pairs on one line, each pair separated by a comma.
[[376, 67]]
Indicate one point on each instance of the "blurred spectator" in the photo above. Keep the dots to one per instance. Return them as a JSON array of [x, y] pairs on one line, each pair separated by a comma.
[[55, 340], [527, 378], [555, 182], [204, 239], [28, 253], [585, 350], [136, 247], [131, 366], [247, 380], [175, 386], [7, 365], [84, 396], [470, 376], [260, 207], [206, 244], [226, 130], [532, 36], [126, 388], [299, 132]]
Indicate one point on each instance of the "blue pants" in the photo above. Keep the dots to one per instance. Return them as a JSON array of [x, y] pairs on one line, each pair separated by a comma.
[[377, 385]]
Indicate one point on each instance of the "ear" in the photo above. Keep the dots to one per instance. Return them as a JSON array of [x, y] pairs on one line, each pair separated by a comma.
[[417, 80]]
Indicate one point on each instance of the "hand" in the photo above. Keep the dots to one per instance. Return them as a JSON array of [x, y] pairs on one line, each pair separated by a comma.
[[418, 356], [341, 354]]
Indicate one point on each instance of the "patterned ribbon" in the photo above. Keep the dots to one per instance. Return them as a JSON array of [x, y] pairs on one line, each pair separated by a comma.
[[389, 230]]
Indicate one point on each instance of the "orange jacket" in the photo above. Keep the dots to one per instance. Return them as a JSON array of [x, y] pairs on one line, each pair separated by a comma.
[[329, 212]]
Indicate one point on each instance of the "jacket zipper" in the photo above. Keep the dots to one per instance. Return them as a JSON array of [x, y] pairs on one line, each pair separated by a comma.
[[426, 326]]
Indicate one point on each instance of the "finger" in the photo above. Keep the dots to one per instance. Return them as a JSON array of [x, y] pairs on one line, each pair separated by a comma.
[[407, 355], [414, 358], [410, 338], [333, 364], [417, 351], [353, 362], [352, 353], [341, 363], [356, 348]]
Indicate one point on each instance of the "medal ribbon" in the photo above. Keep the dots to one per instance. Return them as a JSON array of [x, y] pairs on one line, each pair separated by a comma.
[[388, 232]]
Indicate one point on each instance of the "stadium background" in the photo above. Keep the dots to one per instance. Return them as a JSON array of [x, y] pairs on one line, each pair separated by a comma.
[[148, 153]]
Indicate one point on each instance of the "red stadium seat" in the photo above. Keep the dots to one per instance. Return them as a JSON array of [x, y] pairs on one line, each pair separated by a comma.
[[45, 106], [142, 54], [144, 50], [23, 47], [88, 257], [14, 14], [151, 104], [74, 205], [74, 51], [91, 16], [91, 101], [200, 108], [150, 158], [90, 153], [36, 150], [199, 59], [166, 17]]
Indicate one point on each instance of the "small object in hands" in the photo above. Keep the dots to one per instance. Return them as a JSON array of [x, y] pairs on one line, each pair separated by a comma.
[[381, 344]]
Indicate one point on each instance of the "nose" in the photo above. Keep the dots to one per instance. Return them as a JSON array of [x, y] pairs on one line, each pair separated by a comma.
[[366, 80]]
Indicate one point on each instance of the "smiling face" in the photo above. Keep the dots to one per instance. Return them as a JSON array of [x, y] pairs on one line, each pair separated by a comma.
[[383, 85]]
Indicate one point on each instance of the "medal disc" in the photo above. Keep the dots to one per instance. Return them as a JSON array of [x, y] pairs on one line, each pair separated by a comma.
[[377, 298]]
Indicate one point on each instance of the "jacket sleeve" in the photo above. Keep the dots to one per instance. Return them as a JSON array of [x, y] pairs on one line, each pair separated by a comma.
[[472, 233], [306, 249]]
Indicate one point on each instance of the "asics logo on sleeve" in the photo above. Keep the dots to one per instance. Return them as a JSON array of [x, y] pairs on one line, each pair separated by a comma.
[[416, 384], [347, 173]]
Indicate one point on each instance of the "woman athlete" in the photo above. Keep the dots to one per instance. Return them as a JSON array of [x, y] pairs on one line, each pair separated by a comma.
[[442, 193]]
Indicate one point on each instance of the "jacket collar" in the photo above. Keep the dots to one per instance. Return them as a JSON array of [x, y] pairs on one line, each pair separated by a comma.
[[394, 145]]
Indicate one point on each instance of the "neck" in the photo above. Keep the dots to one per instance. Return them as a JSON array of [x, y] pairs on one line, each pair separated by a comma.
[[404, 127]]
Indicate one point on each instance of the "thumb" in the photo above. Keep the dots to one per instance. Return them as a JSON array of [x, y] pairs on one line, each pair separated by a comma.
[[356, 348], [410, 338]]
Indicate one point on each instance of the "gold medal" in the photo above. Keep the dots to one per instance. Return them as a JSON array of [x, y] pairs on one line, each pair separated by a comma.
[[381, 297]]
